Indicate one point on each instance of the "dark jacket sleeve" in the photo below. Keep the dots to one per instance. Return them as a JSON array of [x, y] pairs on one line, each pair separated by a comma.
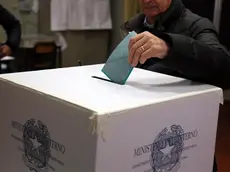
[[12, 27], [200, 57]]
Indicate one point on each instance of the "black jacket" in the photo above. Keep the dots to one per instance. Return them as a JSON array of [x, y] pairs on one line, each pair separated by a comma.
[[12, 27], [195, 52]]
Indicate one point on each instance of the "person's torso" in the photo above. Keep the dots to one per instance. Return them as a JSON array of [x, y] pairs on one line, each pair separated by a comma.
[[182, 25]]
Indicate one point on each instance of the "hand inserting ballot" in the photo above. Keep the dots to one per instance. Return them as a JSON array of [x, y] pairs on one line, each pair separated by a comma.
[[145, 46]]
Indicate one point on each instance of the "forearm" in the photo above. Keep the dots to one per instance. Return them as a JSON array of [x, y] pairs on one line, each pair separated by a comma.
[[198, 60], [12, 27], [14, 36]]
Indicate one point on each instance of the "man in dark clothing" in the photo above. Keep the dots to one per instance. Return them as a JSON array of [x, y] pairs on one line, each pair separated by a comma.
[[13, 30], [174, 41]]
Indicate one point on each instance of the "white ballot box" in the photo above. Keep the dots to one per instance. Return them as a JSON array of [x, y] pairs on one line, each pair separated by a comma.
[[65, 120]]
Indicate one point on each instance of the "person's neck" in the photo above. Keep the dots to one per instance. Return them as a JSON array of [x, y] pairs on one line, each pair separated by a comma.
[[150, 20]]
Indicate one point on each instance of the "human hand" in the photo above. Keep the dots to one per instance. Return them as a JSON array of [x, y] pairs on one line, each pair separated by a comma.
[[5, 50], [145, 46]]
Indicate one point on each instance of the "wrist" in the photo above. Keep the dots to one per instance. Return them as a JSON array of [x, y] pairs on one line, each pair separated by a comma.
[[165, 50]]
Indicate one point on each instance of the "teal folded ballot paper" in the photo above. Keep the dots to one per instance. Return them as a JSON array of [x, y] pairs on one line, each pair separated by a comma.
[[117, 68]]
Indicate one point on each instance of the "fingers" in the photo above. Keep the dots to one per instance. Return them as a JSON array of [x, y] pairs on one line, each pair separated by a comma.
[[139, 52], [136, 48], [135, 39], [145, 56], [142, 47]]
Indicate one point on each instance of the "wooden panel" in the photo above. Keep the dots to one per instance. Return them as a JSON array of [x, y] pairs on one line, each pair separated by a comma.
[[44, 49]]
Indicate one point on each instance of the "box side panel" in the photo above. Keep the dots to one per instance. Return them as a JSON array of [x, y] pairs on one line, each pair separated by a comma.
[[42, 134], [2, 121], [174, 136]]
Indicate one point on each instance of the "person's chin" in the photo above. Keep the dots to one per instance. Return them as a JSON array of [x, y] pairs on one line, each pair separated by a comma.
[[151, 13]]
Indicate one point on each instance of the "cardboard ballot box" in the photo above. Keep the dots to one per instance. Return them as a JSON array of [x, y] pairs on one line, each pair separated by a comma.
[[64, 120]]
